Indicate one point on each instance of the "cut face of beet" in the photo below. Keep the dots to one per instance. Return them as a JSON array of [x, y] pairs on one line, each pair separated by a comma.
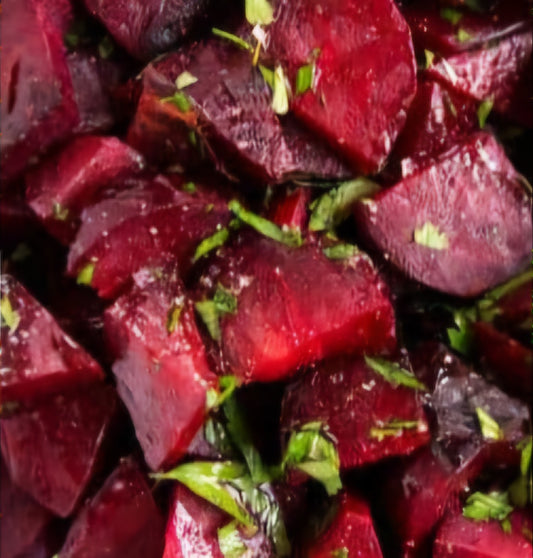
[[121, 519], [359, 408], [134, 228], [290, 208], [161, 368], [295, 306], [53, 451], [443, 229], [364, 77], [63, 185], [38, 358]]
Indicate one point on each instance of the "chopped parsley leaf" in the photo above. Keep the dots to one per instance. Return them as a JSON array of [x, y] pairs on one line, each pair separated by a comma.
[[85, 276], [483, 507], [429, 235], [451, 15], [259, 12], [394, 373], [10, 317], [304, 78], [185, 79], [241, 43], [484, 110]]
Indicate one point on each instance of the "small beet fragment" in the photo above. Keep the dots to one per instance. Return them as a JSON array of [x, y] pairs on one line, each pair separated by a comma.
[[444, 230], [161, 368], [53, 451], [38, 358], [121, 519], [364, 77], [359, 408], [290, 208]]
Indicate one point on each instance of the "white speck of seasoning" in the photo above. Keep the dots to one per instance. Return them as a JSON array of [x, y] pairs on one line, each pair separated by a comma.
[[153, 230], [369, 386]]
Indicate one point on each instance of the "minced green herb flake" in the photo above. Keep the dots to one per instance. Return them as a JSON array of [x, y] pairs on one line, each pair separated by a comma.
[[429, 235], [392, 428], [463, 35], [230, 542], [483, 111], [430, 57], [394, 373], [85, 276], [483, 507], [241, 43], [185, 79], [10, 317], [225, 301], [280, 95], [179, 100], [227, 385], [211, 243], [525, 458], [189, 187], [489, 427], [258, 12], [60, 212], [173, 317], [340, 553], [106, 47], [451, 15], [268, 75], [304, 78], [210, 316], [340, 251]]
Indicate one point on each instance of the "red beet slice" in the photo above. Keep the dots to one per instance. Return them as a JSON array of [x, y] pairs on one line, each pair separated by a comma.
[[53, 451], [502, 73], [230, 112], [352, 531], [73, 178], [365, 72], [290, 208], [459, 537], [38, 357], [295, 306], [121, 519], [134, 228], [470, 238], [161, 368], [357, 405]]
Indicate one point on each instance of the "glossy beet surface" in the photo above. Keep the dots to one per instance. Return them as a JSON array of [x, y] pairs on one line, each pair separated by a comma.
[[365, 76], [295, 306], [38, 358], [355, 403], [480, 236], [66, 436], [138, 225], [161, 369], [121, 519]]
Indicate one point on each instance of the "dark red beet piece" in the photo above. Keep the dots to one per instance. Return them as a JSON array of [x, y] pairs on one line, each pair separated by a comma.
[[53, 451], [161, 367], [365, 75], [38, 358], [63, 185], [231, 114], [290, 208], [295, 306], [135, 227], [351, 400], [17, 221], [147, 28], [352, 531], [475, 211], [501, 72], [121, 519], [459, 537]]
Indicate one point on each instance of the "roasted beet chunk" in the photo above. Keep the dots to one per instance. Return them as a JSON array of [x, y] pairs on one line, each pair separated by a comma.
[[146, 28], [364, 72], [121, 234], [120, 520], [293, 306], [53, 451], [459, 537], [461, 226], [369, 417], [69, 181], [229, 110], [161, 369], [38, 357]]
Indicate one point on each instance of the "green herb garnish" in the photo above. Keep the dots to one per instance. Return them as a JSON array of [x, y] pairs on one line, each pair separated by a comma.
[[60, 212], [304, 78], [280, 94], [340, 251], [483, 507], [227, 385], [211, 243], [430, 57], [85, 276], [451, 15], [173, 317], [489, 427], [10, 317], [392, 428], [463, 35], [429, 235], [241, 43], [185, 79], [179, 100], [258, 12], [484, 110], [230, 541], [394, 373], [224, 302]]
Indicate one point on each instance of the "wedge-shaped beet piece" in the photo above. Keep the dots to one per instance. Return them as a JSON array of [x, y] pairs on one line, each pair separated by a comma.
[[147, 28], [53, 451], [229, 109], [459, 537], [290, 208], [134, 228], [461, 226], [369, 417], [38, 358], [63, 185], [500, 74], [295, 306], [121, 519], [38, 107], [161, 368], [351, 533], [364, 74]]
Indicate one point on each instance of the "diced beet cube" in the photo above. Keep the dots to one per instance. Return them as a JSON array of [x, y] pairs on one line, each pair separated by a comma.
[[161, 367], [134, 228], [53, 451], [461, 226], [38, 107], [121, 519], [501, 73], [231, 114], [146, 28], [63, 185], [38, 358], [359, 407], [352, 531], [364, 77], [460, 537], [290, 208], [295, 306]]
